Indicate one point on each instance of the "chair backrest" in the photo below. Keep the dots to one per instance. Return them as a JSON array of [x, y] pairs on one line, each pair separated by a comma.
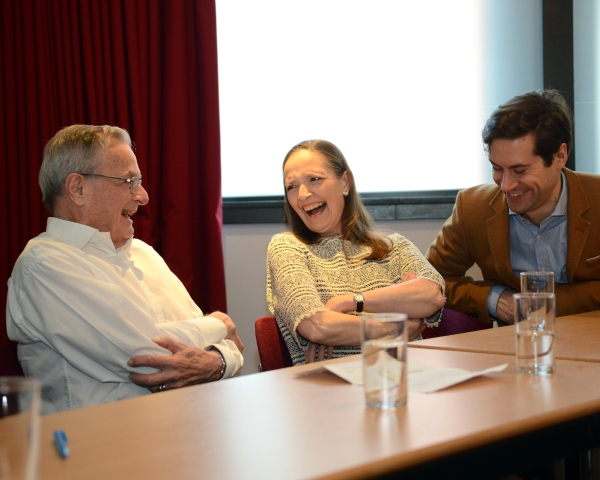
[[272, 349], [455, 322], [9, 363]]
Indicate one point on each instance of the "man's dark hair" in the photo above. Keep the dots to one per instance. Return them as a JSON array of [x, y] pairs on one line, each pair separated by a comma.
[[544, 113]]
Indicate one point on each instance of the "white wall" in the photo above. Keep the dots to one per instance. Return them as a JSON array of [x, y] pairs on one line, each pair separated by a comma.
[[245, 249]]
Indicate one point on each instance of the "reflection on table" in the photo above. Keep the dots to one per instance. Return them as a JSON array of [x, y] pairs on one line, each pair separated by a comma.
[[577, 338]]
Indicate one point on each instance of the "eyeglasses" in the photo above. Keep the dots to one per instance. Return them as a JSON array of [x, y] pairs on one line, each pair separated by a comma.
[[133, 181]]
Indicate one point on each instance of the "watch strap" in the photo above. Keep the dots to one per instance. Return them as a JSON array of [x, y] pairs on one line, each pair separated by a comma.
[[359, 299]]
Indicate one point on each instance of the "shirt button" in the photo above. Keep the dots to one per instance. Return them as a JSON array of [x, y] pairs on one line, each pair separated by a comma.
[[537, 237]]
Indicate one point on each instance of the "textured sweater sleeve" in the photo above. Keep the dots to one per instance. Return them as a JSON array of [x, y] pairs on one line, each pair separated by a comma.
[[292, 292], [406, 257]]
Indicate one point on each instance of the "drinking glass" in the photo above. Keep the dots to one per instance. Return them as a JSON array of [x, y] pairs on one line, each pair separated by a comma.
[[537, 282], [534, 332], [384, 339], [19, 428]]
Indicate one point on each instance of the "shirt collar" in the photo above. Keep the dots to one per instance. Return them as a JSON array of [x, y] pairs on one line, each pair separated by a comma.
[[561, 207], [79, 235]]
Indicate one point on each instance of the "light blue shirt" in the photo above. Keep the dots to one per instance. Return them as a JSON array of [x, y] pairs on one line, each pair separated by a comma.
[[534, 248]]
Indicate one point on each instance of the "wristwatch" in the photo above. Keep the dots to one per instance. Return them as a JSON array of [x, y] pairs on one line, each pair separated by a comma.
[[359, 299]]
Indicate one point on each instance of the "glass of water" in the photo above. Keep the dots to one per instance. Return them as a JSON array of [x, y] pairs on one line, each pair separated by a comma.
[[537, 282], [19, 428], [534, 332], [384, 347]]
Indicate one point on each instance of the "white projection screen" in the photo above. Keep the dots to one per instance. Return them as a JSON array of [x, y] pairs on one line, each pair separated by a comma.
[[403, 88]]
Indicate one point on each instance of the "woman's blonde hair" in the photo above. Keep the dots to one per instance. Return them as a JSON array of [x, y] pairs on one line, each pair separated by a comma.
[[357, 224]]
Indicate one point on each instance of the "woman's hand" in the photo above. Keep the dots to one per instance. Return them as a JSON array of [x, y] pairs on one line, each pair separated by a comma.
[[323, 352], [408, 276], [345, 303], [341, 303], [417, 297], [415, 327]]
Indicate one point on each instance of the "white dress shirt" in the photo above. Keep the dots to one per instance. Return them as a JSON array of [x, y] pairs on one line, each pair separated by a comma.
[[80, 309]]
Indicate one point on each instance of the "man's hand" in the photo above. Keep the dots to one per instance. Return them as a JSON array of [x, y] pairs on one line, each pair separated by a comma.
[[231, 328], [506, 307], [187, 366]]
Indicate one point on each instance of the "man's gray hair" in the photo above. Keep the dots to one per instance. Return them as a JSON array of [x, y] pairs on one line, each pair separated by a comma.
[[74, 149]]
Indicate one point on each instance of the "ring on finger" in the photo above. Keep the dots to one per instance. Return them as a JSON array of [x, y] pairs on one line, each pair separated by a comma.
[[161, 388]]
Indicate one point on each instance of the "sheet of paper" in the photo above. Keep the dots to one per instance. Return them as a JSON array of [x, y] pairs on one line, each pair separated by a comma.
[[352, 371], [421, 378], [440, 378]]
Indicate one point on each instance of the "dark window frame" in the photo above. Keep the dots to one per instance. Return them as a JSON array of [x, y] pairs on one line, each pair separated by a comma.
[[383, 206]]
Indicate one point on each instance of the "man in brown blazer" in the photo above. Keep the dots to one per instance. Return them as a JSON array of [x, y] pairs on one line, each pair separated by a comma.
[[538, 216]]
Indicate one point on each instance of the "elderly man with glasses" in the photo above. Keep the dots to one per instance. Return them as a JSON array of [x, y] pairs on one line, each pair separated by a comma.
[[85, 297]]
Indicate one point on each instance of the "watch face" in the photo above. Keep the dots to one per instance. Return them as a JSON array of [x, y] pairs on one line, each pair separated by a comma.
[[359, 299]]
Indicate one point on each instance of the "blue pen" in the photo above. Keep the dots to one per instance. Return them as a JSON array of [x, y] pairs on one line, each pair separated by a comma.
[[62, 444]]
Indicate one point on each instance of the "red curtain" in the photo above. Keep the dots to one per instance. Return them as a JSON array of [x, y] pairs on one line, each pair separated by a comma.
[[149, 66]]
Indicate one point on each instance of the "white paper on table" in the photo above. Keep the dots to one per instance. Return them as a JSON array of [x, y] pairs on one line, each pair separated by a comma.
[[421, 378], [352, 372], [440, 378]]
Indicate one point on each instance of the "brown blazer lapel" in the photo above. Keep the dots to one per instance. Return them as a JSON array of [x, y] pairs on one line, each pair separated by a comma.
[[578, 228], [498, 233]]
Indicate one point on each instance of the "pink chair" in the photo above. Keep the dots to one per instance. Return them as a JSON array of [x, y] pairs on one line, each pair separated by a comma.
[[9, 363], [455, 322], [272, 350]]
